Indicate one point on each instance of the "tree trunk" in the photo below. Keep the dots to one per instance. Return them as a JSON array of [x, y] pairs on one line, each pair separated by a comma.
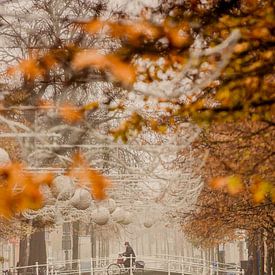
[[262, 255], [37, 249], [268, 261], [255, 260], [273, 260], [23, 252], [107, 248], [75, 255], [93, 244]]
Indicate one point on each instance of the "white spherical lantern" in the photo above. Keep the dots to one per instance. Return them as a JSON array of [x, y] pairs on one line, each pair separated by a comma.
[[127, 218], [4, 157], [118, 215], [63, 187], [149, 218], [81, 199], [148, 223], [100, 215]]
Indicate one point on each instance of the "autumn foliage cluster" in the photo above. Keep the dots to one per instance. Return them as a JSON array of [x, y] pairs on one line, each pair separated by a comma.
[[21, 190]]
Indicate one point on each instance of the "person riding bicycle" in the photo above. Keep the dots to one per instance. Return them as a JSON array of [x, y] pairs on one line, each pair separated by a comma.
[[129, 251]]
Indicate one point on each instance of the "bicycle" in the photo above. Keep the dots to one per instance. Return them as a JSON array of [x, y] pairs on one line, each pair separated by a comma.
[[119, 268]]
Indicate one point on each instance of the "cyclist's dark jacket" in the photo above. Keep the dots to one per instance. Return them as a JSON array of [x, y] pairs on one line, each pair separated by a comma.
[[129, 251]]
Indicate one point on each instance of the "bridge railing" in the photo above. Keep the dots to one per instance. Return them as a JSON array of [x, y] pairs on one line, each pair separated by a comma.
[[166, 264], [201, 266]]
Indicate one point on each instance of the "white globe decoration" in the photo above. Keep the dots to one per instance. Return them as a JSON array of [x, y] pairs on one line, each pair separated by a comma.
[[110, 204], [118, 215], [150, 218], [127, 218], [63, 187], [148, 223], [81, 199], [100, 215], [4, 157]]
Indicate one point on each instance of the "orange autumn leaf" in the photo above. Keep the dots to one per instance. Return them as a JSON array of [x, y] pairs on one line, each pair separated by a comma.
[[178, 38], [20, 190], [134, 31], [147, 29], [153, 124], [123, 72], [45, 178], [218, 182], [93, 26], [241, 47], [260, 190], [178, 34], [30, 68], [33, 197], [131, 30], [86, 176], [12, 175], [30, 198], [49, 60], [234, 185], [91, 106], [133, 124], [70, 113], [98, 185], [159, 128], [6, 203], [89, 58], [79, 170]]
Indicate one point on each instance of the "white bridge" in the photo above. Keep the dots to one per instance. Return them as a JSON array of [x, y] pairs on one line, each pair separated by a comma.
[[160, 264]]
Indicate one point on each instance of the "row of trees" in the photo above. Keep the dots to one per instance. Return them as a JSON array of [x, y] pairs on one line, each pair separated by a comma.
[[244, 150], [240, 144]]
